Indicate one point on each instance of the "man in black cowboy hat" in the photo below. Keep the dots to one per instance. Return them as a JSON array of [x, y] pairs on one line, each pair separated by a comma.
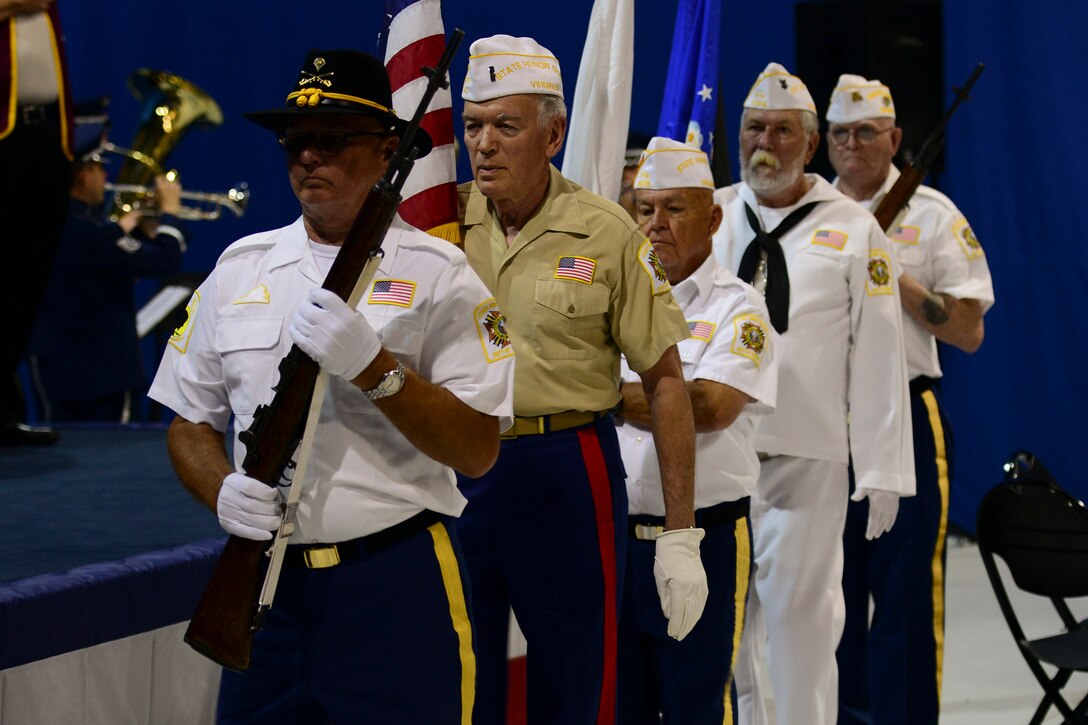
[[370, 614]]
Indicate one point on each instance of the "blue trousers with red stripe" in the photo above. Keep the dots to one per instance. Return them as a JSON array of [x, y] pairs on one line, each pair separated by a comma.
[[890, 670], [666, 682], [384, 639], [545, 533]]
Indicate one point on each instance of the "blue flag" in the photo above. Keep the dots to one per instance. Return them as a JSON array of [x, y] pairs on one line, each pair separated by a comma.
[[688, 110]]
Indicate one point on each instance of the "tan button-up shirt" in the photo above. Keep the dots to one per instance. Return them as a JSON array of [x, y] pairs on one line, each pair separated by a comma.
[[578, 286]]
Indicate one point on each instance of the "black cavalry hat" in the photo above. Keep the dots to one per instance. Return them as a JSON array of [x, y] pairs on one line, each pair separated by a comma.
[[340, 82]]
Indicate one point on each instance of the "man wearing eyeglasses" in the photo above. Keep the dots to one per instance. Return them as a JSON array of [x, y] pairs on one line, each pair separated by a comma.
[[829, 283], [890, 669], [371, 618]]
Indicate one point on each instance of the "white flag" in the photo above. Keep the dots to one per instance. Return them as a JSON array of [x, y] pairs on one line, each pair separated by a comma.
[[597, 136]]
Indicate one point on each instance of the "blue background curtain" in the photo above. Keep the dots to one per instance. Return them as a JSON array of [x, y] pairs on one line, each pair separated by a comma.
[[1015, 163]]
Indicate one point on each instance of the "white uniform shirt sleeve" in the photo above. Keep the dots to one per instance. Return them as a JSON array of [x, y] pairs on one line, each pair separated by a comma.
[[878, 397], [741, 354], [189, 380], [959, 264], [459, 355]]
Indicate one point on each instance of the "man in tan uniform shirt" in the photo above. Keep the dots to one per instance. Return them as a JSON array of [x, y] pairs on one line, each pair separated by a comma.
[[579, 284]]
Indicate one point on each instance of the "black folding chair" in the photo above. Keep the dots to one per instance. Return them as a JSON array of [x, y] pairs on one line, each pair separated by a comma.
[[1041, 533]]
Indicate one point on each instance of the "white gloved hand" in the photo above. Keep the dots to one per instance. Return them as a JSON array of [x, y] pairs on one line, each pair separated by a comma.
[[681, 581], [248, 508], [883, 508], [336, 336]]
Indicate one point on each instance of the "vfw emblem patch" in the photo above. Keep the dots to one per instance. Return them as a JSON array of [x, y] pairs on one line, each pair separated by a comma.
[[967, 239], [749, 337], [653, 268], [180, 339], [879, 281], [491, 327]]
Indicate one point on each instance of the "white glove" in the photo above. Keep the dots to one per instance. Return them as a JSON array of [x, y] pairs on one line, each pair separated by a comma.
[[336, 336], [681, 581], [248, 508], [883, 507]]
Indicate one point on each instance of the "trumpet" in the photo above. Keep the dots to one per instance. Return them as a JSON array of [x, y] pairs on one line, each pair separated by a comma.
[[172, 106], [206, 206]]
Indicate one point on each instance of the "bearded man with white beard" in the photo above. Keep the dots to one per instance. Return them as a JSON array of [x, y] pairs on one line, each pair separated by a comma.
[[829, 280]]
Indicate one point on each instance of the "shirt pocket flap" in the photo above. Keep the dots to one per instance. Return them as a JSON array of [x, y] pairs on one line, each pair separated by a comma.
[[248, 333], [571, 299]]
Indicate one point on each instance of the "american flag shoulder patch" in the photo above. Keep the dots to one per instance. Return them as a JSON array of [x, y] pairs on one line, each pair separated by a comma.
[[829, 238], [749, 337], [659, 279], [580, 269], [397, 292], [702, 330], [879, 280], [905, 234], [491, 327]]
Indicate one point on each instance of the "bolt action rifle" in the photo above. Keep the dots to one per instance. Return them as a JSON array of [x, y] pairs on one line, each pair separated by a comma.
[[894, 204], [242, 585]]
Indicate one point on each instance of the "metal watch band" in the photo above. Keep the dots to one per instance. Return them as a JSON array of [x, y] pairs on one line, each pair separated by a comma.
[[389, 384]]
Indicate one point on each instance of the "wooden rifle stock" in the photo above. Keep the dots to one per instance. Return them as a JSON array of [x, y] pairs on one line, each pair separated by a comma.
[[897, 198], [222, 627]]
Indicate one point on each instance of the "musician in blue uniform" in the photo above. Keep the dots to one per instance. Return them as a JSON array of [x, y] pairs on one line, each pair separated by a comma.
[[86, 343]]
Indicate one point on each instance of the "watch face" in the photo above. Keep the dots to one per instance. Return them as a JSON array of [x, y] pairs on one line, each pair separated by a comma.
[[390, 384]]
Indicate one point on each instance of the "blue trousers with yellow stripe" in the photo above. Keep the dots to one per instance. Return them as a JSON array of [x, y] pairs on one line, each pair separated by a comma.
[[544, 533], [383, 639], [663, 681], [890, 671]]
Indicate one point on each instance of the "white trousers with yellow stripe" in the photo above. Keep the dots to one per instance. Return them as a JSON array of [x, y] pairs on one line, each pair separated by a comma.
[[795, 607]]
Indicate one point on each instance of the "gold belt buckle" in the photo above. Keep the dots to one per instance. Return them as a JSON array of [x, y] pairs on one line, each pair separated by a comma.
[[645, 532], [321, 557]]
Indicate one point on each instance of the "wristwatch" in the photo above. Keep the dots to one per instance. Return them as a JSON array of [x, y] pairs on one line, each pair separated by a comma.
[[390, 383]]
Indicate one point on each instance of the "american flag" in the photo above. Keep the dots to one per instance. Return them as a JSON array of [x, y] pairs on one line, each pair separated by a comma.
[[829, 238], [414, 37], [701, 330], [392, 292], [905, 235], [576, 268]]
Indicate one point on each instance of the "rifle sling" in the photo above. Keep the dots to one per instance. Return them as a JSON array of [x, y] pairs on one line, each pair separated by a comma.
[[302, 458]]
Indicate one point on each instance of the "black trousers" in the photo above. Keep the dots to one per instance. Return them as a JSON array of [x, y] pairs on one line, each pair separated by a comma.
[[34, 184]]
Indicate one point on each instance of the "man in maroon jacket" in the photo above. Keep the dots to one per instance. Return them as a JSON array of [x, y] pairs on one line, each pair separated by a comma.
[[35, 154]]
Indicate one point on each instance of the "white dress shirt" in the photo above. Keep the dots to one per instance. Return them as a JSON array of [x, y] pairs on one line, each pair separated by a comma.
[[842, 387], [364, 475]]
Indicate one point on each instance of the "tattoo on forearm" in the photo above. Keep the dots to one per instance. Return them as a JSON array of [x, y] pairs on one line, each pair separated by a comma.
[[935, 310]]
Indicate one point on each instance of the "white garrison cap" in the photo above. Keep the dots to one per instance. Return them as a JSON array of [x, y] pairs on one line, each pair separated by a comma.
[[857, 99], [503, 65], [777, 90], [669, 164]]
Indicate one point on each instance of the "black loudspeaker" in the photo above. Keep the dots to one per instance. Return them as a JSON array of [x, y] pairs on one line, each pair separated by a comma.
[[898, 43]]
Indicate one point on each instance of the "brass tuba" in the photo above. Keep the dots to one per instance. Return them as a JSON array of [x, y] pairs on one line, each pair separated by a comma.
[[172, 105]]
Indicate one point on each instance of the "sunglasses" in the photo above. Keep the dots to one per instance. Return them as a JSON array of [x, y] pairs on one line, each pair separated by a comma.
[[864, 134], [328, 143]]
